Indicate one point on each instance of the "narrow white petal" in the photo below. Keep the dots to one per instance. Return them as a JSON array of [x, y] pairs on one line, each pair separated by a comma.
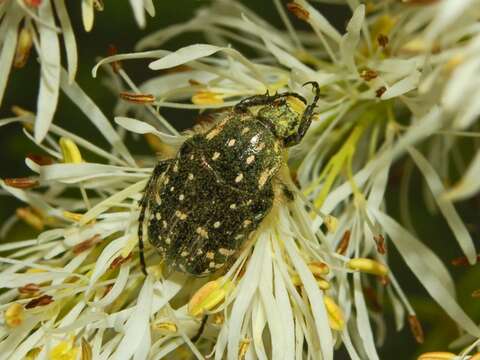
[[50, 73], [468, 184], [141, 127], [350, 40], [446, 207], [138, 325], [138, 12], [363, 321], [95, 115], [319, 22], [315, 297], [403, 86], [68, 38], [88, 14], [429, 270], [7, 53]]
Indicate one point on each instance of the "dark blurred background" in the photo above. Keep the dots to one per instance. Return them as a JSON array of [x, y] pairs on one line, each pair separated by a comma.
[[116, 25]]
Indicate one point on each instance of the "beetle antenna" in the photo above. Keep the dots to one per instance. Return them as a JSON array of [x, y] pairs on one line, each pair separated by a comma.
[[316, 87]]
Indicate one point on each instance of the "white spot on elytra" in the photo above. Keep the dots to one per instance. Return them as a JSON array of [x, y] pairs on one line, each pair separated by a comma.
[[231, 142], [254, 139], [202, 232], [259, 215], [250, 159], [190, 176], [216, 225], [172, 188], [226, 252], [180, 215], [216, 155], [264, 177], [181, 197], [158, 216], [192, 157], [239, 178], [233, 206], [168, 241]]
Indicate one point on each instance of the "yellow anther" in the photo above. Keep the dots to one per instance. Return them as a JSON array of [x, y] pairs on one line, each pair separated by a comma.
[[64, 350], [296, 280], [454, 62], [160, 147], [296, 104], [323, 284], [368, 266], [155, 270], [72, 216], [14, 315], [86, 350], [35, 271], [32, 354], [208, 296], [218, 318], [19, 111], [31, 217], [308, 58], [243, 348], [70, 151], [207, 98], [383, 25], [331, 222], [335, 315], [24, 45], [165, 326], [318, 268], [414, 46], [476, 356], [129, 246], [436, 355]]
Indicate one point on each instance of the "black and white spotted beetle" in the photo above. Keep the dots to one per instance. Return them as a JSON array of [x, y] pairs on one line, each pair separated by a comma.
[[207, 201]]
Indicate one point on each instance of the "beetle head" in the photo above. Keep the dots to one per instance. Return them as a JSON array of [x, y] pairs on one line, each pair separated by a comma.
[[287, 112]]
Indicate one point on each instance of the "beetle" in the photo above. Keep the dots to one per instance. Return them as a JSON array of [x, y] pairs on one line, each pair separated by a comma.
[[204, 203]]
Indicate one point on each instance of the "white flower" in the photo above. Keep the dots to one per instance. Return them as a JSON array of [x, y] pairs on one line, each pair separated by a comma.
[[27, 24], [81, 279], [391, 85]]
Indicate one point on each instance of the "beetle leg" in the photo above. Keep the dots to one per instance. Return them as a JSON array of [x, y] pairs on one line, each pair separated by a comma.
[[306, 118], [265, 99], [200, 329], [255, 100], [149, 188]]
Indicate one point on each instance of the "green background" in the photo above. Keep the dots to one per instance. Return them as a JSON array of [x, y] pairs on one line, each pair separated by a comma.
[[116, 25]]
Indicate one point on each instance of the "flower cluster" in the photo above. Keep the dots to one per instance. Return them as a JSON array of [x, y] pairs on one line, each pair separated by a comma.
[[400, 85], [44, 25]]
